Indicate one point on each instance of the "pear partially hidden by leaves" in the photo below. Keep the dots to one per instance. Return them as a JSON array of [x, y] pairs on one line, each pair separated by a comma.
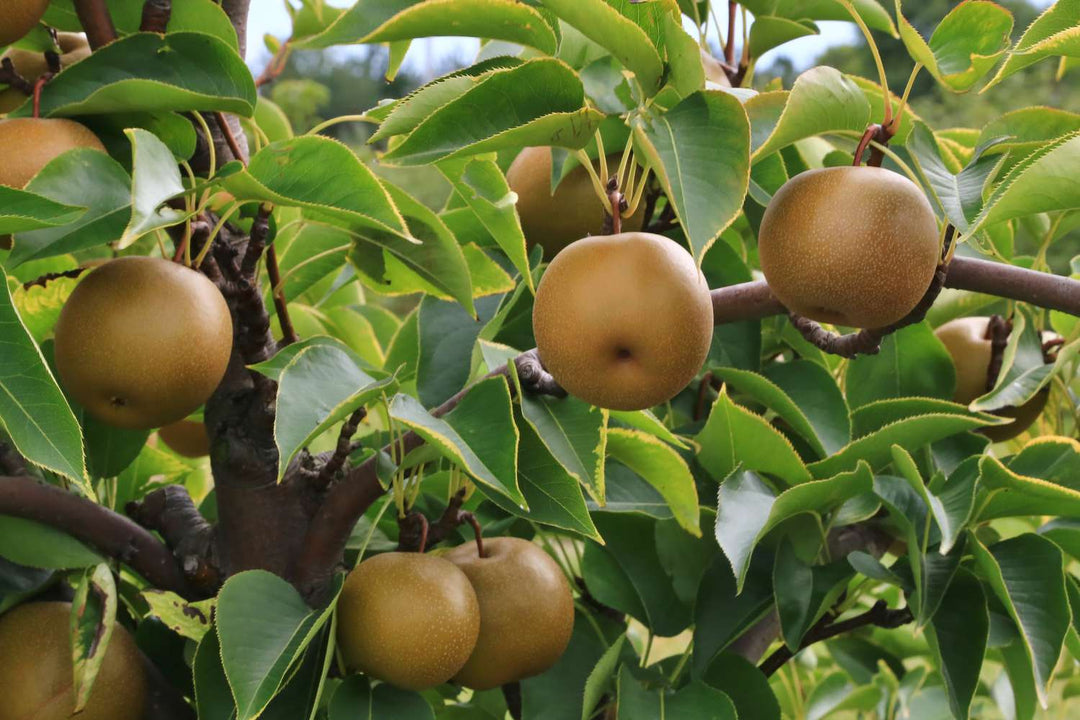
[[187, 438], [29, 144], [407, 619], [31, 65], [142, 342], [623, 321], [526, 611], [37, 676], [853, 246], [18, 17], [553, 221], [968, 342]]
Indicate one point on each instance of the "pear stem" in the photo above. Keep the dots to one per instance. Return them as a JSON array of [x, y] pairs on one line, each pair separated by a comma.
[[468, 517], [38, 85], [423, 533], [998, 331]]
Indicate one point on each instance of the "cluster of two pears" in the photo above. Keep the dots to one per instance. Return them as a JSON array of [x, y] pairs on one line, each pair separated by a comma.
[[417, 620]]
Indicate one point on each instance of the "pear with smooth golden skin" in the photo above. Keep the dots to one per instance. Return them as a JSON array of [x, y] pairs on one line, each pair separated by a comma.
[[143, 342], [968, 343], [623, 321], [37, 676], [187, 438], [407, 619], [553, 221], [853, 246], [18, 17], [31, 65], [526, 611]]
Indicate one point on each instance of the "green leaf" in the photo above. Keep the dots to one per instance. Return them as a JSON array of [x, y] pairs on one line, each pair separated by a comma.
[[804, 593], [646, 421], [34, 411], [275, 366], [375, 21], [213, 698], [483, 187], [626, 492], [21, 211], [154, 73], [540, 102], [966, 44], [600, 676], [699, 150], [264, 626], [553, 495], [355, 699], [109, 450], [1055, 32], [696, 701], [315, 253], [871, 11], [768, 32], [953, 502], [958, 637], [734, 436], [558, 692], [479, 434], [1040, 183], [629, 566], [771, 396], [1026, 574], [836, 693], [822, 100], [911, 363], [1025, 130], [89, 178], [745, 686], [35, 545], [878, 414], [747, 509], [663, 468], [435, 258], [722, 613], [187, 619], [93, 617], [155, 178], [815, 392], [324, 178], [1011, 494], [616, 33], [319, 388], [448, 334], [913, 432], [574, 432]]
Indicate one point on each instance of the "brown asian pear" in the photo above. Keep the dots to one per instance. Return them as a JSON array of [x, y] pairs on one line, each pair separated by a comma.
[[29, 144], [553, 221], [142, 342], [187, 438], [37, 677], [968, 342], [526, 611], [18, 17], [852, 246], [407, 619], [623, 321], [31, 65]]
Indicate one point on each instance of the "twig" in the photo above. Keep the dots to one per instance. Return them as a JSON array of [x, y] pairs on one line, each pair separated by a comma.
[[111, 533], [11, 77], [260, 227], [729, 49], [702, 396], [49, 277], [512, 695], [234, 146], [288, 333], [997, 332], [276, 66], [156, 15], [880, 616], [96, 21], [11, 462], [171, 512], [343, 449]]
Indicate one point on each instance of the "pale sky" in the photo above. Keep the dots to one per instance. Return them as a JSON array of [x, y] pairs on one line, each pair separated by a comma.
[[270, 16]]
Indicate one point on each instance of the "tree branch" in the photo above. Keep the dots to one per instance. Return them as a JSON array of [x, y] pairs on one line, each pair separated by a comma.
[[171, 512], [156, 15], [754, 300], [96, 21], [879, 616], [109, 532]]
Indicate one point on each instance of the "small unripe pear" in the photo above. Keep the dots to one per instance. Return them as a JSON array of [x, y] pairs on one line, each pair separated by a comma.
[[29, 144], [37, 676], [623, 321], [526, 611], [187, 438], [18, 17], [31, 65], [968, 342], [143, 342], [574, 211], [853, 246], [408, 619]]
